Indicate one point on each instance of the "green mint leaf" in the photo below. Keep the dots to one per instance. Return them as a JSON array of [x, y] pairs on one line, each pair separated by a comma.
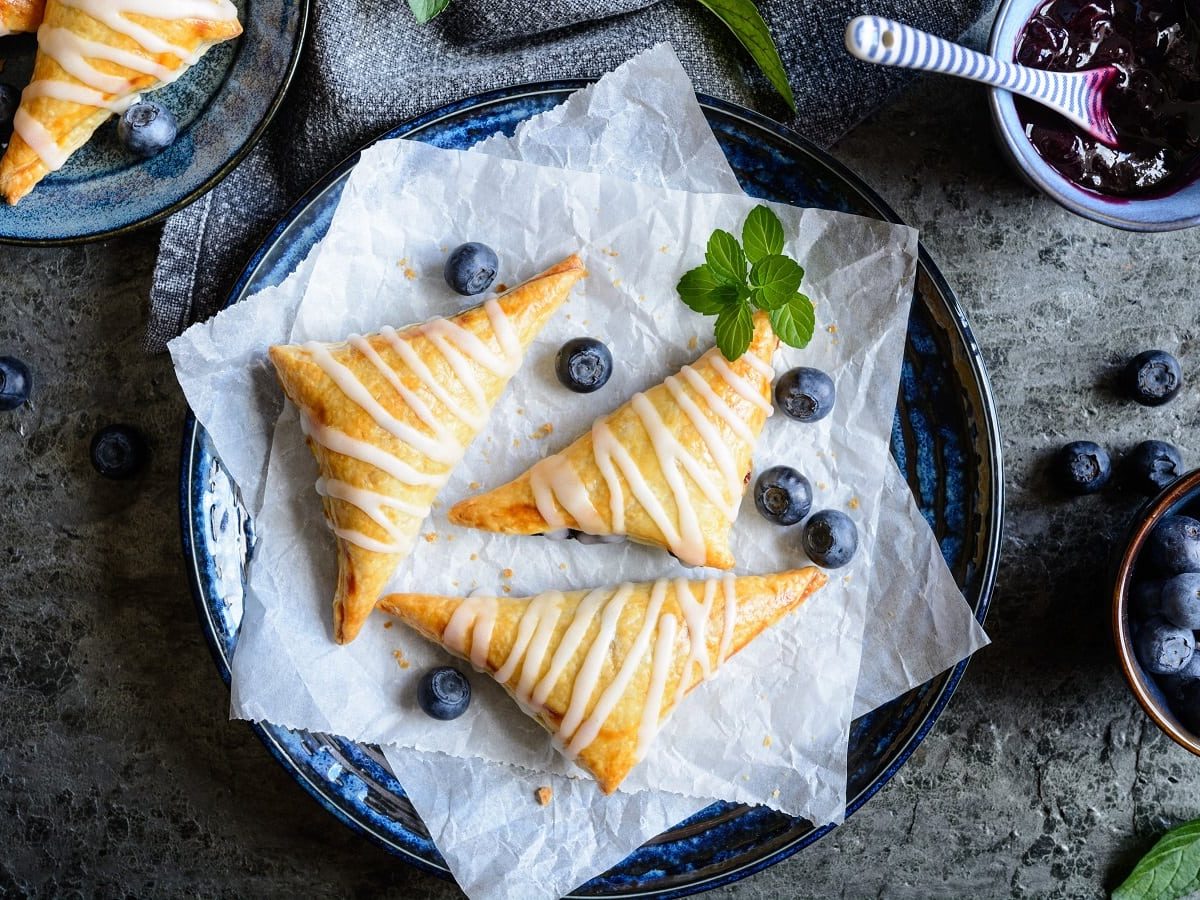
[[703, 292], [726, 259], [794, 321], [1171, 868], [762, 235], [424, 10], [735, 328], [775, 281], [743, 19]]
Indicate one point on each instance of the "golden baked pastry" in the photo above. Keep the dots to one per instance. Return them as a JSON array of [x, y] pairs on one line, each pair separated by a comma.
[[388, 416], [18, 16], [94, 58], [602, 670], [668, 468]]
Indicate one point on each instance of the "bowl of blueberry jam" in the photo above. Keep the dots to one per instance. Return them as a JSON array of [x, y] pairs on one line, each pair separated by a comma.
[[1151, 180], [1156, 610]]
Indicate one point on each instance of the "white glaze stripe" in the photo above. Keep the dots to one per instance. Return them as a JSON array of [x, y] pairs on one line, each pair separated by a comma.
[[664, 655], [375, 507], [731, 611]]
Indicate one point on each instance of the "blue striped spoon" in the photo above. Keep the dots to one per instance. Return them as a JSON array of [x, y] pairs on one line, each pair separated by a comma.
[[1077, 95]]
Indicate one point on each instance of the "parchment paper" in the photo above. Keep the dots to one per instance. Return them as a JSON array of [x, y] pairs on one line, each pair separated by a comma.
[[928, 624]]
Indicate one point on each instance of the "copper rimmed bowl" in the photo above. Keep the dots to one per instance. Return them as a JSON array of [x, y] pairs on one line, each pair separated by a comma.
[[1182, 497]]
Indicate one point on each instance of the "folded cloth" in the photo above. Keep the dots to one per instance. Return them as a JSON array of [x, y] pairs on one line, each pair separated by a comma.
[[368, 65]]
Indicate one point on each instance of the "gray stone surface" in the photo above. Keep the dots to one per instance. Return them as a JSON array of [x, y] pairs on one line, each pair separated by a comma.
[[119, 773]]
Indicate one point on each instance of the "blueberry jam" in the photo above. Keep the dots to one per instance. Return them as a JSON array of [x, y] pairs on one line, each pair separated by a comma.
[[1154, 103]]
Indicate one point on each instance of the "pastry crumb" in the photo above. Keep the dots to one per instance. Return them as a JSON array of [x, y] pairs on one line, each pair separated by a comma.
[[767, 740], [663, 249], [401, 661], [544, 795], [616, 282], [563, 566], [544, 432], [474, 556], [430, 537], [501, 288], [516, 442], [454, 582], [507, 589], [520, 410], [822, 485], [609, 251], [449, 538], [474, 485], [388, 624], [853, 504], [506, 573], [832, 329], [775, 794], [692, 342]]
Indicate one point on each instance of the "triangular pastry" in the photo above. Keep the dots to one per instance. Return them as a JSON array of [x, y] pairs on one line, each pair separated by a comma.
[[388, 416], [668, 468], [17, 16], [602, 670], [94, 58]]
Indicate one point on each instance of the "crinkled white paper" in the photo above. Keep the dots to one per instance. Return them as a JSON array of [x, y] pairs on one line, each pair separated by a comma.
[[288, 671]]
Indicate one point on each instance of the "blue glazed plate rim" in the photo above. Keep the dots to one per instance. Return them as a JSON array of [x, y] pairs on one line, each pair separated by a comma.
[[219, 175], [991, 556]]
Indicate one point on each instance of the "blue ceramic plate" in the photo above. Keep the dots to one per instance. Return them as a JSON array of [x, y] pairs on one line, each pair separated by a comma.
[[223, 104], [945, 439]]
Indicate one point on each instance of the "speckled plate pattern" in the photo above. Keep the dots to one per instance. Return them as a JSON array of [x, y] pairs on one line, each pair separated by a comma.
[[944, 438], [223, 104]]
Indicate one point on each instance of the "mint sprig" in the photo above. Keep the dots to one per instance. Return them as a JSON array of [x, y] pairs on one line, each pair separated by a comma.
[[1171, 868], [425, 10], [738, 278]]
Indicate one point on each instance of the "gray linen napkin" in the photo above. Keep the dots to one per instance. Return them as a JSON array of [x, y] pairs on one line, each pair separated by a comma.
[[368, 65]]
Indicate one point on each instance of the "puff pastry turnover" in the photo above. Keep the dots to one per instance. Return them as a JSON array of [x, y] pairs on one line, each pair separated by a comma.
[[17, 16], [602, 670], [388, 416], [94, 58], [668, 468]]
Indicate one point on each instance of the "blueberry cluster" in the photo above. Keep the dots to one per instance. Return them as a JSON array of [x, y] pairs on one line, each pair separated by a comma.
[[1165, 611], [1151, 378], [785, 497]]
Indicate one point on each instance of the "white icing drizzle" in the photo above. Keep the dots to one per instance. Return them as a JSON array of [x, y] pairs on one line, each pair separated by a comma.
[[100, 89], [460, 349], [375, 506], [555, 483], [473, 622], [664, 654]]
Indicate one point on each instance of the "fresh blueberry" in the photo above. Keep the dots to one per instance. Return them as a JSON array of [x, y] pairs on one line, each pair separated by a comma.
[[1145, 599], [1151, 466], [1163, 648], [1082, 467], [15, 383], [583, 365], [119, 451], [1173, 547], [444, 693], [471, 268], [10, 99], [147, 129], [782, 495], [1152, 378], [1181, 600], [830, 538], [805, 394]]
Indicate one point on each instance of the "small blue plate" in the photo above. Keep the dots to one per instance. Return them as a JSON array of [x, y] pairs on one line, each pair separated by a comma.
[[945, 439], [223, 104]]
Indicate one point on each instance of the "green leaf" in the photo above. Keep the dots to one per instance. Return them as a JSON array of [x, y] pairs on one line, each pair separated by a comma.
[[424, 10], [735, 328], [774, 281], [762, 235], [1171, 869], [703, 292], [743, 19], [794, 322], [726, 259]]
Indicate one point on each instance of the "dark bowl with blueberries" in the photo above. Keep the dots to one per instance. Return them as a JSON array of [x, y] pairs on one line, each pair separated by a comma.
[[1150, 181], [1156, 610]]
